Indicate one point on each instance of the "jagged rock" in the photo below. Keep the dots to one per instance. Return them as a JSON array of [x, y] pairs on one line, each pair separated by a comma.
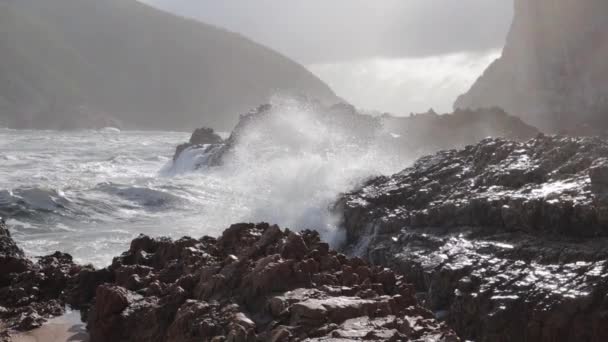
[[31, 292], [12, 259], [255, 282], [503, 239], [201, 138], [401, 136], [553, 69]]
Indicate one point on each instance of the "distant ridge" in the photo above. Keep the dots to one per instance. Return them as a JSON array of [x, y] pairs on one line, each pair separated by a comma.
[[91, 63]]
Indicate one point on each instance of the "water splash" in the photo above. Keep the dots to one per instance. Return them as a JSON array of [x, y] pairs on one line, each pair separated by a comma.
[[95, 191], [289, 165]]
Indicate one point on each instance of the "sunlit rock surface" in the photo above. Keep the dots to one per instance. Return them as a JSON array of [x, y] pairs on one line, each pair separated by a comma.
[[553, 70], [255, 283], [505, 240]]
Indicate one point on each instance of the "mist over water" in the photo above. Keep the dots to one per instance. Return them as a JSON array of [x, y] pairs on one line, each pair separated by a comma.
[[405, 85], [89, 193]]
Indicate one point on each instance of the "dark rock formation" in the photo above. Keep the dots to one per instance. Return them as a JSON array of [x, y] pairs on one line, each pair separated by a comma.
[[421, 134], [505, 240], [273, 120], [254, 283], [31, 292], [200, 137], [553, 70], [409, 137]]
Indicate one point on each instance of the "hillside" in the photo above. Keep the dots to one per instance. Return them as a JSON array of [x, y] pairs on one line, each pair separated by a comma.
[[82, 63]]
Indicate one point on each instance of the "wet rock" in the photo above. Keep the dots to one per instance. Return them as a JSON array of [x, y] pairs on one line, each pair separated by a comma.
[[295, 247], [204, 136], [111, 301], [31, 292], [201, 138], [598, 174], [12, 259], [504, 239], [254, 283]]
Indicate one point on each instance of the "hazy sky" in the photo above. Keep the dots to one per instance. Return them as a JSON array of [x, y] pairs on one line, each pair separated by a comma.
[[389, 45]]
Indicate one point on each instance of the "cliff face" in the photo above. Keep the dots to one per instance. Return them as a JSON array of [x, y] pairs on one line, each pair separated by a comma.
[[553, 70], [82, 63]]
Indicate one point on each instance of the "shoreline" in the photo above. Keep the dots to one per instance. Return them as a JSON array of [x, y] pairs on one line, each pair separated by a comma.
[[67, 327]]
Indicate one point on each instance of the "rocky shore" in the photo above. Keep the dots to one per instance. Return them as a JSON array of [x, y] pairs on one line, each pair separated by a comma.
[[498, 241], [254, 283], [504, 240], [30, 292]]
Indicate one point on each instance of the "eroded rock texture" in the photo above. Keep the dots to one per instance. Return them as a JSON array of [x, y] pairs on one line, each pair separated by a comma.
[[553, 69], [254, 283], [505, 240], [31, 292]]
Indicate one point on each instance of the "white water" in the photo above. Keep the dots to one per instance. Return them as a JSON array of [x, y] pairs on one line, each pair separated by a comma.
[[89, 193]]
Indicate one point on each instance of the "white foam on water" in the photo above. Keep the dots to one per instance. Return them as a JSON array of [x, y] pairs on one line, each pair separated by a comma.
[[98, 190]]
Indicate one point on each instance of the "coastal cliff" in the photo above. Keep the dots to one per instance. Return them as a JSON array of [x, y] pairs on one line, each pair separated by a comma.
[[553, 71]]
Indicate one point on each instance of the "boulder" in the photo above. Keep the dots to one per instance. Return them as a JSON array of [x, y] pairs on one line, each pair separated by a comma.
[[199, 139]]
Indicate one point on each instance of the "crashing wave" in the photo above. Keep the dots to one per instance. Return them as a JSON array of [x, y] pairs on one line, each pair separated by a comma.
[[109, 130], [24, 201]]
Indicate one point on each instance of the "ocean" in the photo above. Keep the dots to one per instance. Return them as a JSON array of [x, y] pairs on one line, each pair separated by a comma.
[[90, 192]]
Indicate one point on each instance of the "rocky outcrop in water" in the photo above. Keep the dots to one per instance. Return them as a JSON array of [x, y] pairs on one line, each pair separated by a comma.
[[282, 120], [254, 283], [426, 133], [553, 69], [505, 240], [200, 138], [404, 137], [31, 292]]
